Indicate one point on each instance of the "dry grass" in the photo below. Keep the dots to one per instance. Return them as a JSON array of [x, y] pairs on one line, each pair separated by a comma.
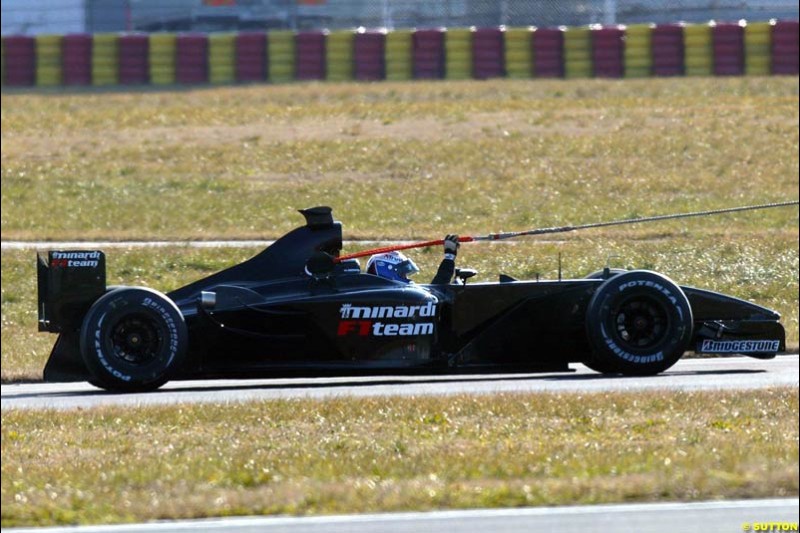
[[394, 160], [392, 454]]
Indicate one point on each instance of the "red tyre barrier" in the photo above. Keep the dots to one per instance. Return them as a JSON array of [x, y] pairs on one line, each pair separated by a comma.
[[488, 59], [191, 59], [608, 52], [20, 60], [428, 54], [310, 56], [548, 53], [76, 59], [368, 56], [728, 46], [667, 46], [784, 47], [133, 60], [251, 56]]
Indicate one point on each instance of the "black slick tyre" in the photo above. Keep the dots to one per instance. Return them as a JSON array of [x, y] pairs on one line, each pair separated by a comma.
[[638, 323], [133, 339]]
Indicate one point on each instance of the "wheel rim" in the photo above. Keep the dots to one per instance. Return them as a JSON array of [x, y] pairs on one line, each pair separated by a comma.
[[136, 339], [640, 323]]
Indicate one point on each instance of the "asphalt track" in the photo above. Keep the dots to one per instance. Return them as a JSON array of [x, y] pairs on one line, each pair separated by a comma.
[[687, 374], [705, 517]]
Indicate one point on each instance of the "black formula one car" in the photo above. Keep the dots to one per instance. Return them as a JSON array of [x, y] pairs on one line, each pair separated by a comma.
[[299, 308]]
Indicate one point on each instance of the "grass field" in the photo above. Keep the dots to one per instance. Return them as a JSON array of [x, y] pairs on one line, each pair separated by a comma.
[[395, 160], [404, 161], [392, 454]]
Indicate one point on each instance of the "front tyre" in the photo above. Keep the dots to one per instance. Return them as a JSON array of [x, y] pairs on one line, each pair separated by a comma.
[[638, 323], [133, 339]]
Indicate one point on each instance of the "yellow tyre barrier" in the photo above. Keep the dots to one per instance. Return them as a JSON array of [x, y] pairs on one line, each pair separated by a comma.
[[758, 49], [698, 50], [638, 72], [519, 54], [48, 60], [162, 58], [577, 69], [577, 53], [281, 55], [458, 54], [638, 51], [638, 63], [398, 55], [105, 59], [222, 57], [339, 56], [638, 54]]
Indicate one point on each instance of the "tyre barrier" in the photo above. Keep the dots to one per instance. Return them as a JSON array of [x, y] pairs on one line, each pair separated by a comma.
[[637, 54], [339, 56], [133, 59], [281, 49], [428, 54], [161, 57], [105, 59], [757, 44], [698, 53], [19, 60], [191, 58], [608, 52], [488, 53], [76, 59], [667, 46], [310, 55], [251, 56], [785, 47], [399, 55], [728, 49], [577, 53], [48, 60], [368, 55], [458, 54], [518, 52], [221, 58], [639, 50], [548, 53]]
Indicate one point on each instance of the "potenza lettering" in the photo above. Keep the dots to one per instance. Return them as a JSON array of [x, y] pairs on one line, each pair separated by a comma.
[[74, 259], [766, 346], [362, 321]]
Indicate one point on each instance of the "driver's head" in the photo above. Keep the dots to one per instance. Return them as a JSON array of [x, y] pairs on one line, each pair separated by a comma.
[[392, 265]]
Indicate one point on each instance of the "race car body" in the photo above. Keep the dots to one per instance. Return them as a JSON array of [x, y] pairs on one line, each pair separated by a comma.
[[295, 309]]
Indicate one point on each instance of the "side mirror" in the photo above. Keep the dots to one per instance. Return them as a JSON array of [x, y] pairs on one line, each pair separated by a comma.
[[319, 265]]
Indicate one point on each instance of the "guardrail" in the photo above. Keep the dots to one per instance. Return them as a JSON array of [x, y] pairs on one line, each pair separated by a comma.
[[721, 49]]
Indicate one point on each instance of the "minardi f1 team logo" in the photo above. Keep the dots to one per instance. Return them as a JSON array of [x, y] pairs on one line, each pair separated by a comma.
[[74, 259], [362, 320]]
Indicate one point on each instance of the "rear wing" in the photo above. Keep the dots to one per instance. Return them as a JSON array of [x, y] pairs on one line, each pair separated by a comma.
[[69, 282]]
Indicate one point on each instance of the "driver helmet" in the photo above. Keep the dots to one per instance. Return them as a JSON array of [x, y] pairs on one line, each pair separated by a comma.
[[392, 265]]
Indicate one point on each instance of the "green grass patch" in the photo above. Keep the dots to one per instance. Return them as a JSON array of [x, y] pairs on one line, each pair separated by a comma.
[[394, 160], [758, 266], [346, 455]]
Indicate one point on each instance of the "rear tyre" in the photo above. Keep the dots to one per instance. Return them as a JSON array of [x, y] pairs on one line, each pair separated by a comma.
[[638, 323], [133, 339]]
